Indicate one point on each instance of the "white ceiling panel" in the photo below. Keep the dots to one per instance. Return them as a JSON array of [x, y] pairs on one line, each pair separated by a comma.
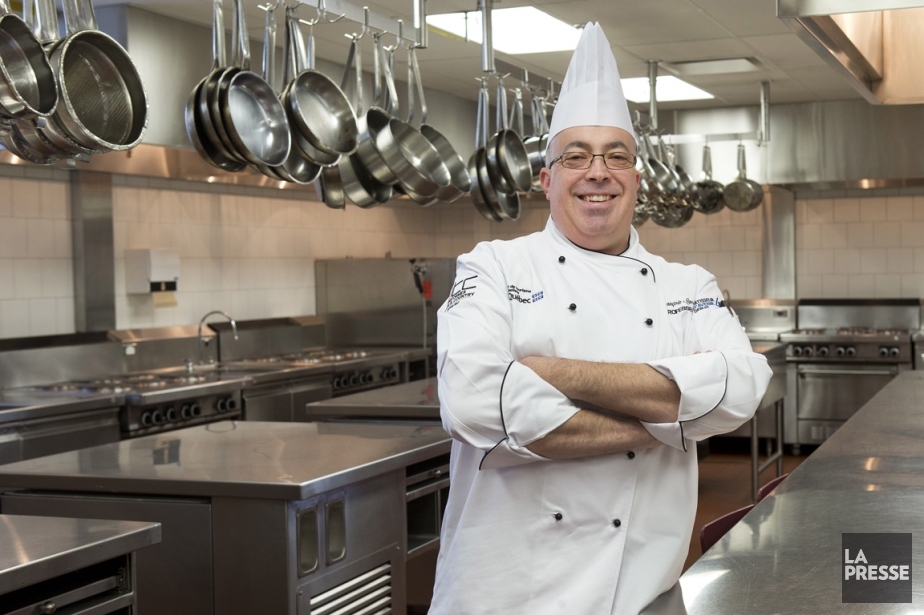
[[745, 17], [667, 30]]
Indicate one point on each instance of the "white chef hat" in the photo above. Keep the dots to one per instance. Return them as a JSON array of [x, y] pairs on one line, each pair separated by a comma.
[[591, 94]]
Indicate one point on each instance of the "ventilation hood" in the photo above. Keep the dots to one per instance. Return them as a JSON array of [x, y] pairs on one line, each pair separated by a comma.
[[876, 45]]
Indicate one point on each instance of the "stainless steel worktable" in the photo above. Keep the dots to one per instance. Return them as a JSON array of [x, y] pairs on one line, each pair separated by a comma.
[[412, 400], [287, 461], [785, 556], [35, 549]]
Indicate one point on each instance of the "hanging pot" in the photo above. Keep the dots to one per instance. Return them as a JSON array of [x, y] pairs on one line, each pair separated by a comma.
[[709, 191], [742, 194]]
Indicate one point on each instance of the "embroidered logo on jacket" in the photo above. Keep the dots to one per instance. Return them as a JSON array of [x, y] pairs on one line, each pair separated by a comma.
[[693, 305], [523, 295], [461, 290]]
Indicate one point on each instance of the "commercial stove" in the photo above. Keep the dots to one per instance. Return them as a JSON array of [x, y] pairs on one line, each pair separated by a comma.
[[842, 354], [162, 401]]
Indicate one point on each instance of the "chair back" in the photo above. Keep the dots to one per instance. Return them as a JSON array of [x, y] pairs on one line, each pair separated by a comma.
[[714, 530]]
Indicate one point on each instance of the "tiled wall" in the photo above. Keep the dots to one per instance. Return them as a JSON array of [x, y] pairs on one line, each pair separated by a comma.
[[36, 267], [726, 243], [254, 256], [870, 247]]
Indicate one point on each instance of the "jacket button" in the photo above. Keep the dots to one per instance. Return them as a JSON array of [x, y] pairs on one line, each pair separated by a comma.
[[616, 522], [557, 516], [630, 455], [648, 321], [644, 271], [572, 307], [561, 259]]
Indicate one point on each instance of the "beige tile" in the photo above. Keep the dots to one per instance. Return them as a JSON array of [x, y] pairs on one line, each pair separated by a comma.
[[918, 207], [227, 204], [43, 317], [14, 318], [846, 210], [912, 285], [835, 286], [834, 235], [708, 239], [13, 239], [847, 261], [912, 233], [746, 263], [27, 278], [64, 239], [874, 260], [721, 264], [872, 209], [808, 236], [887, 234], [40, 237], [64, 315], [54, 196], [683, 240], [860, 235], [863, 286], [732, 239], [819, 211], [6, 198], [7, 284], [919, 260], [27, 200], [900, 260], [899, 208], [820, 262], [888, 286], [149, 206], [58, 277], [190, 275]]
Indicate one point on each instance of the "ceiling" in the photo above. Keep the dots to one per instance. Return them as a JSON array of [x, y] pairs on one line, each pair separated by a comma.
[[639, 31]]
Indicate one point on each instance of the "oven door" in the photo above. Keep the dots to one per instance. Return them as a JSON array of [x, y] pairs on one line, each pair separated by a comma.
[[836, 392]]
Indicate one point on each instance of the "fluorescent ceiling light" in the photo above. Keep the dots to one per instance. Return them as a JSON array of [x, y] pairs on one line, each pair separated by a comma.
[[669, 88], [712, 67], [519, 30]]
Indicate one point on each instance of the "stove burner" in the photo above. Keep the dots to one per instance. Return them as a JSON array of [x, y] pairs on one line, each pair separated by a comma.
[[871, 331], [124, 384], [808, 331]]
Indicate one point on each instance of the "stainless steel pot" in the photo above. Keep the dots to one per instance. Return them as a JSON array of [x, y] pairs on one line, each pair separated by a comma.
[[27, 81], [252, 114], [317, 107], [507, 159], [479, 196], [742, 194], [709, 191], [102, 101]]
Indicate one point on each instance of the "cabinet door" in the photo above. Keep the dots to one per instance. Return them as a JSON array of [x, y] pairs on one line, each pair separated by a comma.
[[270, 406], [70, 433]]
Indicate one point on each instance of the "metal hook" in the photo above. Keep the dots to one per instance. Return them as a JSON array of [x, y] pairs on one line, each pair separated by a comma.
[[322, 13]]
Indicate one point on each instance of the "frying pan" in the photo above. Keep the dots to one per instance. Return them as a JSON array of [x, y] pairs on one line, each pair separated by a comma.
[[459, 180], [317, 107], [505, 204], [199, 128], [27, 82], [102, 103], [358, 184], [742, 194], [252, 114], [374, 120], [478, 195], [330, 188], [658, 169], [709, 191], [410, 156], [507, 158]]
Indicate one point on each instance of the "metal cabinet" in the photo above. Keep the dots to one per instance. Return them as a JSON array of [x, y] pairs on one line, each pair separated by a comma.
[[29, 439]]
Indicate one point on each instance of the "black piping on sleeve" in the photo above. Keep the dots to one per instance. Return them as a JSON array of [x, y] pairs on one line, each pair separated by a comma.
[[500, 403], [724, 393]]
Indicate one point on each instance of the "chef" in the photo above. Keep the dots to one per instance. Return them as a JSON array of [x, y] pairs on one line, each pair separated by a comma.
[[576, 372]]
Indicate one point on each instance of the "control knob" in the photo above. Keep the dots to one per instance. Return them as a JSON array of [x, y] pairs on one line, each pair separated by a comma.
[[195, 410], [797, 351], [823, 351], [354, 380], [231, 404], [222, 405], [186, 411], [840, 351], [146, 419], [883, 351], [336, 383], [894, 352], [172, 415], [808, 351], [157, 417], [851, 351], [368, 377]]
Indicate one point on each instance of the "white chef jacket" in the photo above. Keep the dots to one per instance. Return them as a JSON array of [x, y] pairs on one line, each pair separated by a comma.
[[523, 534]]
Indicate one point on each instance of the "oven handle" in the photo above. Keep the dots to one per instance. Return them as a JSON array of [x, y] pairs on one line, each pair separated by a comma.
[[847, 372]]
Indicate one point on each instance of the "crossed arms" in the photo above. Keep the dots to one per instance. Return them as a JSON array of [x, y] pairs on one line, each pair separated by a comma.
[[632, 391]]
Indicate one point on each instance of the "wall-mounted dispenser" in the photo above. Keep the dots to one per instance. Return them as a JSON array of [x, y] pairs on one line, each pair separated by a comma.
[[154, 271]]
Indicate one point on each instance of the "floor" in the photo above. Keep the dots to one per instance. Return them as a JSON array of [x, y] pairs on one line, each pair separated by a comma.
[[725, 483]]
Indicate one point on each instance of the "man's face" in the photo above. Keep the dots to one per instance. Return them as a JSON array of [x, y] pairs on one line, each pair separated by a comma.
[[592, 207]]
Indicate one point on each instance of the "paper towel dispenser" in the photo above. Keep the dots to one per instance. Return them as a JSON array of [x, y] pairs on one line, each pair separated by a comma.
[[152, 270]]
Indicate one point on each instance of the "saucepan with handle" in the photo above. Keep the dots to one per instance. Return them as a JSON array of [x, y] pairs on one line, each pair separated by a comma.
[[478, 193], [709, 191], [742, 194]]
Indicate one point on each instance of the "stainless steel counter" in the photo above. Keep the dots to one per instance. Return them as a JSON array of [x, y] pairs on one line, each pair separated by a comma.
[[35, 549], [411, 400], [18, 406], [286, 461], [785, 556]]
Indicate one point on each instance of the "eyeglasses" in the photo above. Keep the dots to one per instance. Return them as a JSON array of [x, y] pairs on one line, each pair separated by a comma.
[[581, 161]]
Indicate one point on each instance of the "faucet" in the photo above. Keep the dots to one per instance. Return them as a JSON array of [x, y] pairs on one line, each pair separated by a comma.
[[201, 322]]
